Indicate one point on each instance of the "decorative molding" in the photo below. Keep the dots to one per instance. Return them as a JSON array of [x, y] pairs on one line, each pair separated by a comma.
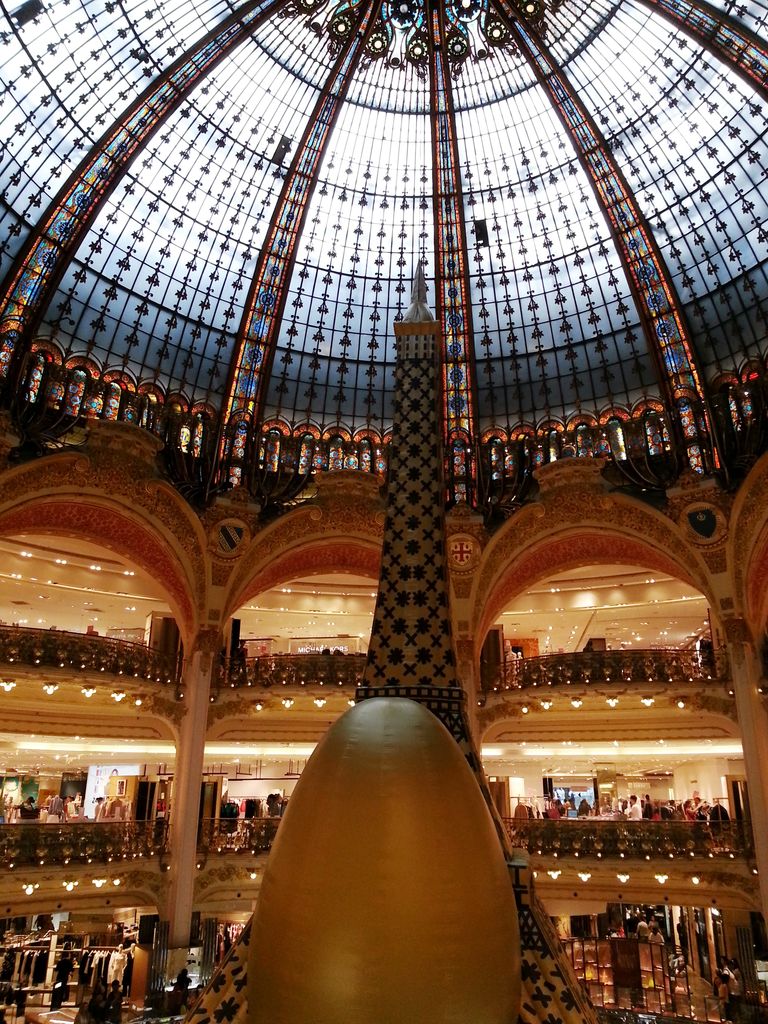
[[574, 526], [170, 710]]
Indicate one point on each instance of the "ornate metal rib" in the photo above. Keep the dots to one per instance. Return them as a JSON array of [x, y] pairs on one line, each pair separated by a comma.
[[266, 298], [721, 35], [658, 305], [41, 264]]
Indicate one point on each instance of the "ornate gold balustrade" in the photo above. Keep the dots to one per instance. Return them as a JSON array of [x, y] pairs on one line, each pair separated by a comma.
[[241, 835], [592, 837], [55, 649], [598, 668], [40, 844], [294, 670], [37, 844]]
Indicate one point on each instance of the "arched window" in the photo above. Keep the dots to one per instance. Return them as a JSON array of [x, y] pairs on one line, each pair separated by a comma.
[[197, 435], [112, 395], [148, 413], [75, 392], [554, 446], [366, 460], [35, 377], [336, 453], [459, 468], [495, 458], [616, 440], [306, 452], [270, 455], [584, 442]]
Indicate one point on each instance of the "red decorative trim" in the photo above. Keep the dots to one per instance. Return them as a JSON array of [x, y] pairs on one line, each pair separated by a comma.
[[100, 524]]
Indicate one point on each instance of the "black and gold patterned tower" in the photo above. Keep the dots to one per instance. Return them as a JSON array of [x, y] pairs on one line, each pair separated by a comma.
[[411, 651], [411, 655]]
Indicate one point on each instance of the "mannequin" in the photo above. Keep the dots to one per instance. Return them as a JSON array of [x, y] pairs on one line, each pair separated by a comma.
[[117, 964]]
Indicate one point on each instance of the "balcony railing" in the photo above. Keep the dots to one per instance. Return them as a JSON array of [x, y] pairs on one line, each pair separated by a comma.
[[239, 835], [56, 649], [590, 837], [33, 843], [595, 668], [36, 844], [310, 670]]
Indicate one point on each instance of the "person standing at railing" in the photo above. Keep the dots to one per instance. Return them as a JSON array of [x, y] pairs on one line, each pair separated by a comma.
[[635, 811], [55, 809]]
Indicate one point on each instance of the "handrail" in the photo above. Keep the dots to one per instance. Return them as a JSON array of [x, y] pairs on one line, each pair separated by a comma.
[[235, 835], [310, 670], [53, 648], [585, 668], [594, 837], [36, 844]]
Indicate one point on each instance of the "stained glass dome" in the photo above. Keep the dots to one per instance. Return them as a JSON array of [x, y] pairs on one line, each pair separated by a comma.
[[221, 206]]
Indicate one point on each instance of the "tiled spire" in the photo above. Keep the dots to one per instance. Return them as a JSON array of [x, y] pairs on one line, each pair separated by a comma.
[[411, 642]]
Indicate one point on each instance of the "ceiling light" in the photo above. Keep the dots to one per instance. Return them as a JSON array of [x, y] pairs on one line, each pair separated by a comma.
[[585, 875], [612, 701], [69, 886], [287, 702], [577, 702], [622, 878], [524, 709], [29, 888], [647, 701], [98, 882], [115, 881], [259, 706], [7, 685], [95, 568], [554, 874], [60, 561], [661, 879], [118, 695], [50, 688], [546, 704], [681, 704], [138, 702], [88, 691], [695, 879], [320, 702], [351, 702]]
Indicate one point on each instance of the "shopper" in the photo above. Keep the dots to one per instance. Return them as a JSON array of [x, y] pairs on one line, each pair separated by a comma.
[[97, 1004], [635, 811], [114, 1005]]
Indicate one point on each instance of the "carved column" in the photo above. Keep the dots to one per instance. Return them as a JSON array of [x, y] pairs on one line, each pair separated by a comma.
[[190, 752], [753, 721]]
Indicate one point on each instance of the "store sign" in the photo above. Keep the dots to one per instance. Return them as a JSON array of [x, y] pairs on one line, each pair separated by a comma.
[[625, 957]]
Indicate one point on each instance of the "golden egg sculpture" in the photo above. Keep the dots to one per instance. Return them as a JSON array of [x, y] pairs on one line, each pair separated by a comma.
[[386, 898]]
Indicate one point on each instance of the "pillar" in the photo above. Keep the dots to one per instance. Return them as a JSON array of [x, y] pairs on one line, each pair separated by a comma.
[[753, 722], [185, 808]]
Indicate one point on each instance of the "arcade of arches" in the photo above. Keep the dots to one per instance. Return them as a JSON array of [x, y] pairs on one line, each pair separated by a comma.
[[587, 609]]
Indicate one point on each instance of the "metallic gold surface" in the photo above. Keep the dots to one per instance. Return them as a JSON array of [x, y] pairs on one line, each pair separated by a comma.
[[386, 898]]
